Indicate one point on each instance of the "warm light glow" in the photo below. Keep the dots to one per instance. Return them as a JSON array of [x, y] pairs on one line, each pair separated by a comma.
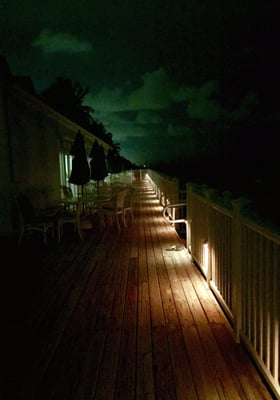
[[205, 257]]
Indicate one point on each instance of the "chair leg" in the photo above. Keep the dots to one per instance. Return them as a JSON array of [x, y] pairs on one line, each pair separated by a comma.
[[102, 220], [118, 222], [124, 219], [80, 233]]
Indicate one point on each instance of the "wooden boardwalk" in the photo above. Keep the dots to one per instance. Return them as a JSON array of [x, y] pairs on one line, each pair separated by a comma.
[[120, 317]]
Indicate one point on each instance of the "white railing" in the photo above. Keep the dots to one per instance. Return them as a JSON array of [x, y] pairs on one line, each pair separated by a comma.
[[166, 188], [169, 213], [240, 259], [126, 177], [241, 262]]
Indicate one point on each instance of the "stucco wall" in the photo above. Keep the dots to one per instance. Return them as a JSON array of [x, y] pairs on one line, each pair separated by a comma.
[[32, 135], [35, 149]]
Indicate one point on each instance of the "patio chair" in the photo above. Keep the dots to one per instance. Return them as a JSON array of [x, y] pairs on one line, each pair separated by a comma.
[[68, 199], [31, 221], [129, 202], [114, 210], [117, 186], [67, 192], [80, 216]]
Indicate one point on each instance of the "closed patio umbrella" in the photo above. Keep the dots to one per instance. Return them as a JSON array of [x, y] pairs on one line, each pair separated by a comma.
[[80, 173], [98, 169]]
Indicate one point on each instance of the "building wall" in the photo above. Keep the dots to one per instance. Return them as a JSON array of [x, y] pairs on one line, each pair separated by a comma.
[[5, 170], [32, 136], [35, 147]]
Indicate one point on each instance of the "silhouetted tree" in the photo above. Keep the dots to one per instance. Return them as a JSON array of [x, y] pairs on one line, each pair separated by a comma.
[[67, 97]]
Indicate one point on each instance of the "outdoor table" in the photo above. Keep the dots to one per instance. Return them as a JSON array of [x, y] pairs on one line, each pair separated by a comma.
[[95, 201]]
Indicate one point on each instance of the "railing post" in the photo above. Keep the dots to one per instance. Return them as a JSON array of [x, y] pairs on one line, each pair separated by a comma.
[[236, 269], [189, 190], [208, 242]]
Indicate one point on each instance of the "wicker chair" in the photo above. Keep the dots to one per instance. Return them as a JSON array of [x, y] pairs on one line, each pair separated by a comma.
[[129, 202], [80, 216], [114, 210], [31, 221]]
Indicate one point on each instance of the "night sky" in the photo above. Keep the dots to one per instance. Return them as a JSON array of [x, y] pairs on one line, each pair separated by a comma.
[[171, 80]]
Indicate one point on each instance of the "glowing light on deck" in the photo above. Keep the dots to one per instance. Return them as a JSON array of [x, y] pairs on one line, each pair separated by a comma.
[[205, 256]]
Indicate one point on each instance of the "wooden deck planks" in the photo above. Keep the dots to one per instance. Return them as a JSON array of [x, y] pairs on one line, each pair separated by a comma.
[[120, 317]]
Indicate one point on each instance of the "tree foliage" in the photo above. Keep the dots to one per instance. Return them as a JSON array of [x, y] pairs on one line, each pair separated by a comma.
[[67, 97]]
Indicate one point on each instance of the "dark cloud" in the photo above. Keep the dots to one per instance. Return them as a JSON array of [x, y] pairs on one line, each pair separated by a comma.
[[61, 42], [163, 77]]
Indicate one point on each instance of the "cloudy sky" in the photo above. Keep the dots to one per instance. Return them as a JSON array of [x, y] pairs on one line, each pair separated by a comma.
[[158, 71]]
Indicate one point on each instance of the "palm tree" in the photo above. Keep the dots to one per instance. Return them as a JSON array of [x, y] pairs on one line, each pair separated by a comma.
[[67, 97]]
